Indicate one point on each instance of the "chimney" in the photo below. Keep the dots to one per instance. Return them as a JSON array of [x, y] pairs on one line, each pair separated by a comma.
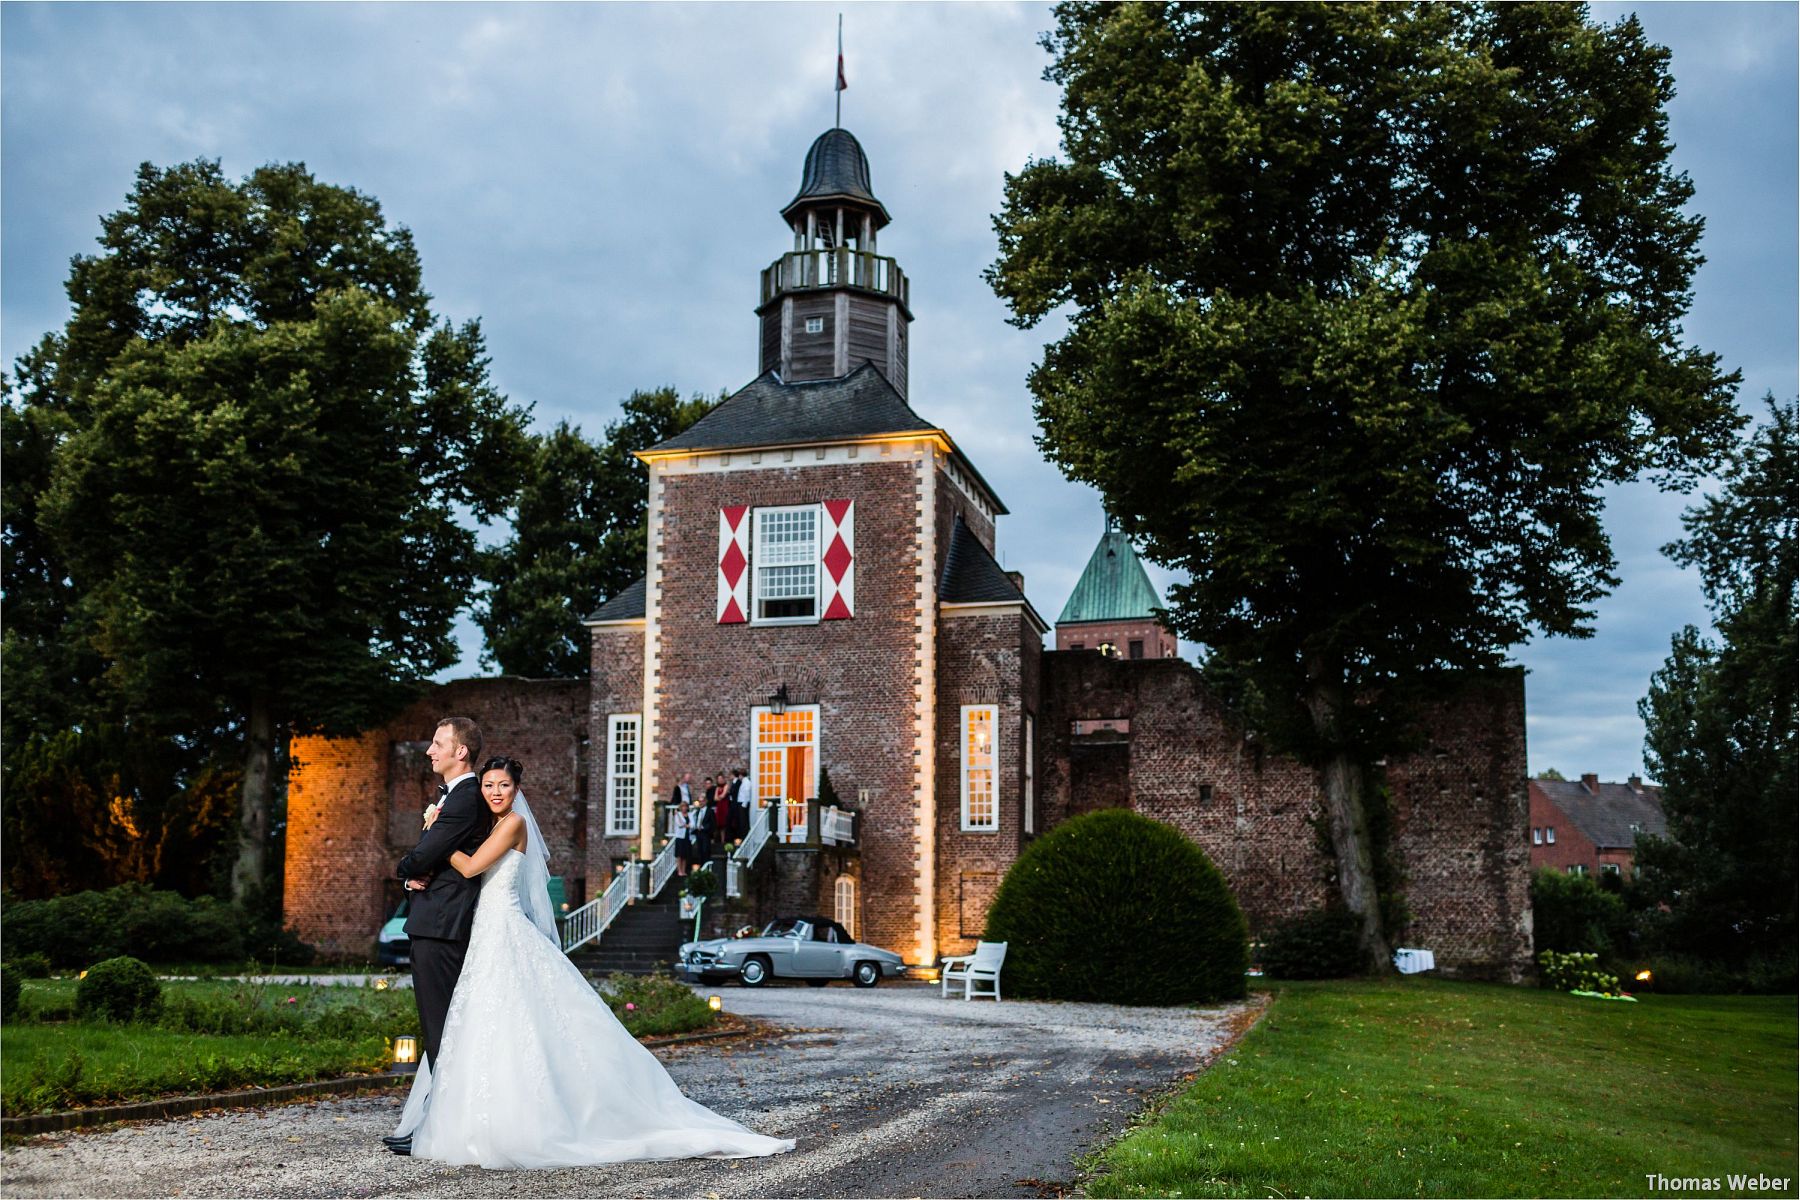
[[1018, 580], [1591, 783], [1637, 783]]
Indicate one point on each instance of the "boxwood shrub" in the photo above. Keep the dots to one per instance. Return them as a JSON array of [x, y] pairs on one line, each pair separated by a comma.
[[1117, 908], [119, 989]]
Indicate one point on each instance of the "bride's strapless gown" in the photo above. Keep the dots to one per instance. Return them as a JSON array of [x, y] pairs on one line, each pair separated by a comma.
[[537, 1072]]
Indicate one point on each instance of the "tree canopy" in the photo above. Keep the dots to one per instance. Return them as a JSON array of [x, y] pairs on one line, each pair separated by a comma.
[[248, 459], [1366, 305], [1720, 719], [579, 526]]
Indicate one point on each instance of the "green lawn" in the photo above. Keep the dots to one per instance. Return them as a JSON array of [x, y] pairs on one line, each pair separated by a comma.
[[212, 1035], [1424, 1087]]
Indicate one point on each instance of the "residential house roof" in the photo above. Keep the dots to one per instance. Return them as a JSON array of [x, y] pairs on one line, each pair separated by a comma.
[[1611, 814], [628, 605]]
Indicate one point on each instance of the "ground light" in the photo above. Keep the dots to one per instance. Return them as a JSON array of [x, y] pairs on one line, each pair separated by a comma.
[[714, 1003], [406, 1054]]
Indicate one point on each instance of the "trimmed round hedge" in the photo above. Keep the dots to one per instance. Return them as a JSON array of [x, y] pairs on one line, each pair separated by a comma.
[[1120, 909], [119, 989]]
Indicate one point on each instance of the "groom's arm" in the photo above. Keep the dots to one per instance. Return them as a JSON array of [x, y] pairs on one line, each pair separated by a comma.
[[448, 832]]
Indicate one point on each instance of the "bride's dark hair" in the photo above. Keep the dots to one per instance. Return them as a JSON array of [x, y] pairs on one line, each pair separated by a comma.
[[511, 766]]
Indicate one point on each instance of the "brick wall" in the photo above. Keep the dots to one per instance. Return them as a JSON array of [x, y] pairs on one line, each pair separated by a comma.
[[1088, 635], [616, 686], [1572, 847], [981, 660], [861, 671], [1189, 764], [354, 803]]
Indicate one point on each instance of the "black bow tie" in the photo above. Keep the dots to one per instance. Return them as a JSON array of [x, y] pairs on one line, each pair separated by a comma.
[[443, 790]]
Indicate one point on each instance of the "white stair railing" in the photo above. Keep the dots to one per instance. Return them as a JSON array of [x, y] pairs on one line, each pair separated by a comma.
[[593, 918], [734, 878], [662, 867], [754, 842]]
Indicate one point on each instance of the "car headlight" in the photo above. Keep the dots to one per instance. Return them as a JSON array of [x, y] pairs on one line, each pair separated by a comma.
[[385, 937]]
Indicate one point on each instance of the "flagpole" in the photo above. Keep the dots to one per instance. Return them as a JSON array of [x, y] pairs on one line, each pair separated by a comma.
[[838, 83]]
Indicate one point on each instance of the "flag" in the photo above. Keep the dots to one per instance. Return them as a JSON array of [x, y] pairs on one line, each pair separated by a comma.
[[841, 82]]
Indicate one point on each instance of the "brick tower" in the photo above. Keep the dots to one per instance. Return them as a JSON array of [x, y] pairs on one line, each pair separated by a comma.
[[821, 595], [1113, 607]]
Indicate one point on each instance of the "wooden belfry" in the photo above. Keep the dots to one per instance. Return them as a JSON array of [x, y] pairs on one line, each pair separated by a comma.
[[832, 303]]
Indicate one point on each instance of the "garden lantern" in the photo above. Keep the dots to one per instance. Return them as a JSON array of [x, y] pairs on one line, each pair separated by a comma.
[[406, 1052], [714, 1003]]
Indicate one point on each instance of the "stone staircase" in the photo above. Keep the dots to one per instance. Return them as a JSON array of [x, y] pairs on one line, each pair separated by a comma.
[[642, 940]]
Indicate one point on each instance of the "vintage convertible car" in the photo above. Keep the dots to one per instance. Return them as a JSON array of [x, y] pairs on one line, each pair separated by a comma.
[[809, 948]]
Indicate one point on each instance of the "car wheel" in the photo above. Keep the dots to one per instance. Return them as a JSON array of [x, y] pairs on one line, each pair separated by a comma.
[[755, 971], [817, 982], [867, 974]]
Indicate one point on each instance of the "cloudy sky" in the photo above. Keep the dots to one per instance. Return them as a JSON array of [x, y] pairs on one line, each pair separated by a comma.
[[599, 184]]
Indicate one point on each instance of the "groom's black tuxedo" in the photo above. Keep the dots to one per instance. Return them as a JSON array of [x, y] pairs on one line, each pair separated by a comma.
[[440, 917], [446, 908]]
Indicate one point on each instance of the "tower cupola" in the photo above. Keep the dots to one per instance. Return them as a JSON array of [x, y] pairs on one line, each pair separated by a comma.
[[833, 302]]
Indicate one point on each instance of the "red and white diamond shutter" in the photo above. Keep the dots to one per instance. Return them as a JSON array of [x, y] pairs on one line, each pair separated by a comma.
[[734, 564], [839, 560]]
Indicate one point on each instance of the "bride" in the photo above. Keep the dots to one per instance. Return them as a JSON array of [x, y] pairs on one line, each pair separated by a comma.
[[534, 1070]]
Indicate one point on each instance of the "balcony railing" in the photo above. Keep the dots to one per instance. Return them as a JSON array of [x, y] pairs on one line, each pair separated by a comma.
[[799, 270], [837, 826]]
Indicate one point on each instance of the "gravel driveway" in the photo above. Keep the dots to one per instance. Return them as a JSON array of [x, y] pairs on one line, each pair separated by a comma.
[[889, 1092]]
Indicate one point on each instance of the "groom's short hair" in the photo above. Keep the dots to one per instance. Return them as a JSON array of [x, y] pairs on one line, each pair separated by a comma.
[[467, 734]]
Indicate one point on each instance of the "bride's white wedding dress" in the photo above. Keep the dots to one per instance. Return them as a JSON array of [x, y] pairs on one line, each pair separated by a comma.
[[535, 1070]]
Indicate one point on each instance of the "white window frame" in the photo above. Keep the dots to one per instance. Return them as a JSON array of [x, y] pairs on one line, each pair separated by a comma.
[[757, 566], [1549, 835], [1537, 836], [993, 764], [843, 900], [785, 829], [614, 777], [1578, 869], [1028, 749]]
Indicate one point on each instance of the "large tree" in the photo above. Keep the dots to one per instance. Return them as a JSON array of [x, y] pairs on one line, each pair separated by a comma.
[[578, 536], [1719, 720], [1367, 304], [260, 448]]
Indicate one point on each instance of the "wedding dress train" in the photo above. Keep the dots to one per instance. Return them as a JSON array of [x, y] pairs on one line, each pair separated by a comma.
[[536, 1071]]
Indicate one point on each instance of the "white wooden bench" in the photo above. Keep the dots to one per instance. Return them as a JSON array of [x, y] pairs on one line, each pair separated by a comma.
[[972, 970]]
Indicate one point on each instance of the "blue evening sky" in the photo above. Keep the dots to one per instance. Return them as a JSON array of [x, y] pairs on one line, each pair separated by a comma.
[[600, 185]]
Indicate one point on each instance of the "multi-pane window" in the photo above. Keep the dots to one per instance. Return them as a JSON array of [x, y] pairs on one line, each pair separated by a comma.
[[784, 754], [980, 798], [622, 759], [785, 561], [1028, 750], [844, 906]]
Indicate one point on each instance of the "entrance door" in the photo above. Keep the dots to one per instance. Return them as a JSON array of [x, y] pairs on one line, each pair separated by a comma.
[[785, 751]]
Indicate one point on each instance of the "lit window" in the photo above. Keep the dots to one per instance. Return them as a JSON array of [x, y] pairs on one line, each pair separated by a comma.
[[785, 555], [980, 803], [622, 775], [1550, 835], [1537, 836], [784, 758]]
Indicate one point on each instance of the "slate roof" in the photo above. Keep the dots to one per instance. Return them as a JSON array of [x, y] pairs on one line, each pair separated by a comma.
[[1113, 586], [1606, 815], [768, 412], [836, 167], [971, 576], [628, 605]]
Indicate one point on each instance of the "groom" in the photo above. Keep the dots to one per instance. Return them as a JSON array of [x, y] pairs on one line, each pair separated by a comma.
[[440, 917]]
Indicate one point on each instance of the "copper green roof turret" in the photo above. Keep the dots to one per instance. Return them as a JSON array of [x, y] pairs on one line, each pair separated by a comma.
[[1114, 586]]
